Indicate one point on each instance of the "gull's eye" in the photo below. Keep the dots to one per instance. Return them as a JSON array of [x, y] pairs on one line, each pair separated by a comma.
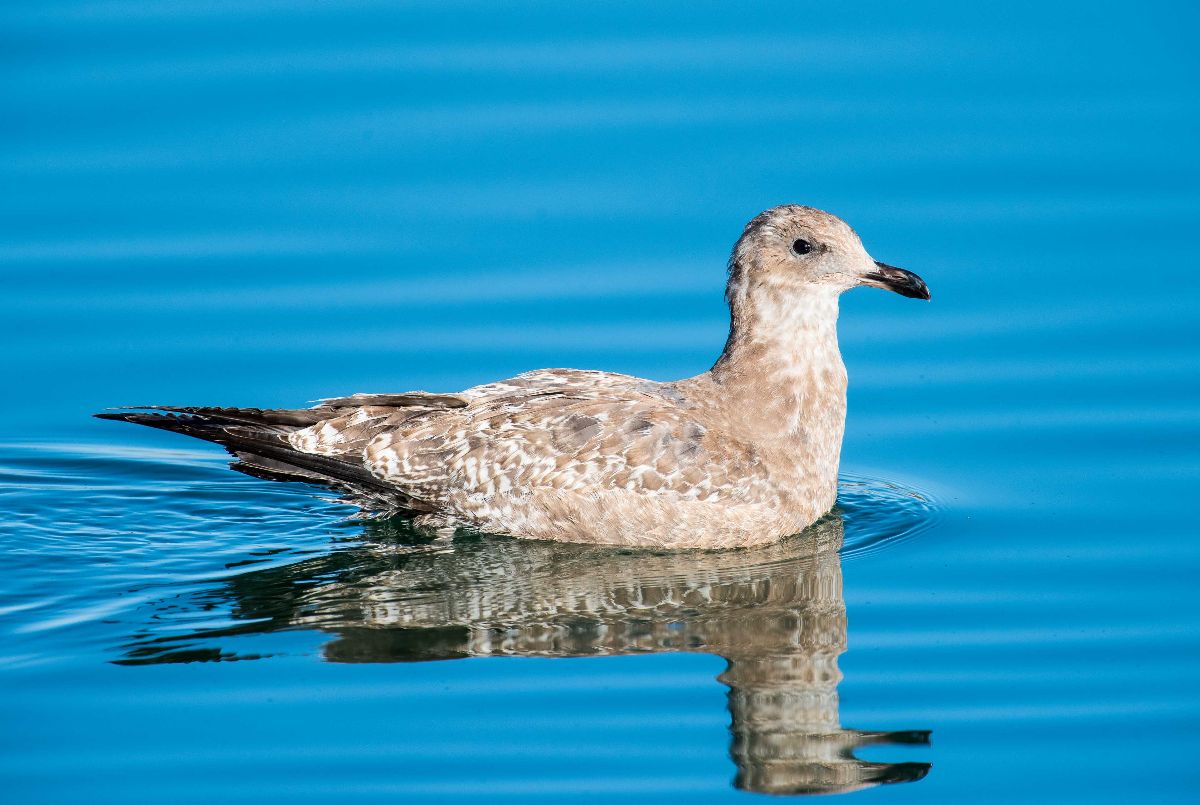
[[802, 247]]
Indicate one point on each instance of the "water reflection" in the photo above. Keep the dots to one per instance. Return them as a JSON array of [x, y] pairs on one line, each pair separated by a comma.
[[777, 615]]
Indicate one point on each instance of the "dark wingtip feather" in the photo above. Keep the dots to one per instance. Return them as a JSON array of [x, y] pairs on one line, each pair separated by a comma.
[[189, 425], [258, 438], [266, 418], [126, 413], [130, 416]]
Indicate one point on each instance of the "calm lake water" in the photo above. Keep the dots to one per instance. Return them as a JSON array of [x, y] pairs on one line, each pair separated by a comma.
[[265, 203]]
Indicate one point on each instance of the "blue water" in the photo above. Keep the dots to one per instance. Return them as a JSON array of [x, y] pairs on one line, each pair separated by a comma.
[[266, 203]]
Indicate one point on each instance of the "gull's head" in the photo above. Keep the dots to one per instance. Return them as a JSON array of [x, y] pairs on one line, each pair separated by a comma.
[[792, 248]]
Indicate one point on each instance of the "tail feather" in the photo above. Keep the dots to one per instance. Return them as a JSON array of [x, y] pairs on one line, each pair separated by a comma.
[[291, 417], [257, 438]]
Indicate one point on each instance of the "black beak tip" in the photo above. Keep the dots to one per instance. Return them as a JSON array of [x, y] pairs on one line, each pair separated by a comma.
[[899, 280]]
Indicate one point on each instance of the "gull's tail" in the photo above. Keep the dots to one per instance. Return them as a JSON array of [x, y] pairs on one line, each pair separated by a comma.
[[258, 439]]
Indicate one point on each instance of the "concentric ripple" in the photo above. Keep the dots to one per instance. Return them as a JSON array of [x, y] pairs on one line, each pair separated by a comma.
[[879, 514]]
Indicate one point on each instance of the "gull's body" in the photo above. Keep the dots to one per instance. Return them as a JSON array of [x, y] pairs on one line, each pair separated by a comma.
[[740, 455]]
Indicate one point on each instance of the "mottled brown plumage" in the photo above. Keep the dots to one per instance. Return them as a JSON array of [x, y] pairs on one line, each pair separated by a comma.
[[741, 455]]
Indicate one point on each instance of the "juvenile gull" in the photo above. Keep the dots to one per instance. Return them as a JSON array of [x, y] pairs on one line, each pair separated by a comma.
[[740, 455]]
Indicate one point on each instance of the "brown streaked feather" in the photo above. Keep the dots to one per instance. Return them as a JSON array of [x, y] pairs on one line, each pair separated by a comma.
[[420, 399], [301, 417]]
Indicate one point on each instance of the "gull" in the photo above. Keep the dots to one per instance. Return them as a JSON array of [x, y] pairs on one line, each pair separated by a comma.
[[738, 456]]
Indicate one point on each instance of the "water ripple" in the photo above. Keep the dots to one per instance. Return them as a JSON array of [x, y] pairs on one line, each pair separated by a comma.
[[159, 527]]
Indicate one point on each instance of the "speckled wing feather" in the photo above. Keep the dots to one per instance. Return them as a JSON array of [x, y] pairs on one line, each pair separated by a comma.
[[559, 429]]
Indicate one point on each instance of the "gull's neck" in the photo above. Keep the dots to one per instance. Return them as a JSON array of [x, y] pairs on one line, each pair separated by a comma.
[[782, 343], [780, 386]]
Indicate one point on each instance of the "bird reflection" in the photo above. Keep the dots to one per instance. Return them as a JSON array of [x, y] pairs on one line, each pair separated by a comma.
[[776, 614]]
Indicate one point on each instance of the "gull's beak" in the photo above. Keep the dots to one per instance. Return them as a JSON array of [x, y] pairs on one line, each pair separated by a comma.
[[899, 280]]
